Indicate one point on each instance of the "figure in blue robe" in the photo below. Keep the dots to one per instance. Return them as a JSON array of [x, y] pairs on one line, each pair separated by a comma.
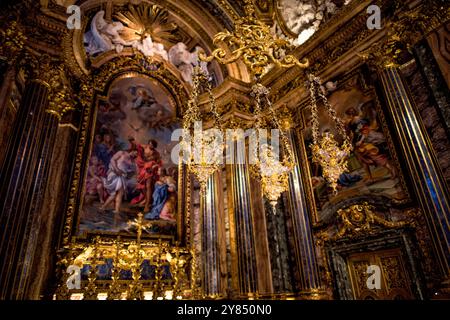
[[348, 179], [160, 196]]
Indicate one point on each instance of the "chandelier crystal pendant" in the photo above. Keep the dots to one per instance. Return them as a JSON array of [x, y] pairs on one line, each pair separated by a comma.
[[273, 173], [205, 152], [326, 150]]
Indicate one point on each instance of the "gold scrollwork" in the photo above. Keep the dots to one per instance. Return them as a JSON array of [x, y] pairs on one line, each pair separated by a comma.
[[254, 42], [360, 219]]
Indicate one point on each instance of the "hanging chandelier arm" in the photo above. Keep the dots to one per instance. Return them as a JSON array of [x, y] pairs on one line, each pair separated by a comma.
[[333, 115], [314, 109], [214, 109], [316, 88], [193, 112], [326, 151], [252, 41], [284, 138]]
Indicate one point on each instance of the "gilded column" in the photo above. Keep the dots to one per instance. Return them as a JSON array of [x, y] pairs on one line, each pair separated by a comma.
[[280, 259], [23, 178], [210, 240], [304, 249], [429, 184]]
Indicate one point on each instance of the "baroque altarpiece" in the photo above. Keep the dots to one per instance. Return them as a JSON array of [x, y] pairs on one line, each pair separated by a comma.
[[92, 92]]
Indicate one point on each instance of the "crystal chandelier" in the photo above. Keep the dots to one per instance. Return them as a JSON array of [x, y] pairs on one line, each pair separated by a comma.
[[273, 173], [325, 149], [253, 41], [205, 153]]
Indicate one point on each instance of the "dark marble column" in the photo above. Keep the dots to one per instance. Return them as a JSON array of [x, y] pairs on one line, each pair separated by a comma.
[[241, 222], [23, 179], [428, 183], [304, 249], [280, 260], [436, 81], [210, 240]]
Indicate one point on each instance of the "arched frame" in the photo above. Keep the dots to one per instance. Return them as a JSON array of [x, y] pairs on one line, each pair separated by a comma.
[[96, 87], [368, 90]]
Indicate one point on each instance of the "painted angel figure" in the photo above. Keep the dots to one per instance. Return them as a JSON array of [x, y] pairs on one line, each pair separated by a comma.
[[185, 61]]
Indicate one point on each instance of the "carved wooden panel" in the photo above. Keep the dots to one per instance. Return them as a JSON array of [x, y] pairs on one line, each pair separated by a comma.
[[395, 280]]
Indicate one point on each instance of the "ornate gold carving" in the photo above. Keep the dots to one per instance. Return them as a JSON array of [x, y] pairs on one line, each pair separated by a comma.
[[50, 72], [12, 41], [195, 287], [229, 9], [115, 292], [90, 291], [144, 65], [407, 27], [434, 14], [253, 40], [360, 219], [360, 269], [176, 264], [60, 99], [69, 54], [126, 255], [392, 271]]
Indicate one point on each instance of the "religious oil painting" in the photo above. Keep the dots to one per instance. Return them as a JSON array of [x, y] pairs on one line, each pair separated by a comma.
[[372, 168], [130, 170]]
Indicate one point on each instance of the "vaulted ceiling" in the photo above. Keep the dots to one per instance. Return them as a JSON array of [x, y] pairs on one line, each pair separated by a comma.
[[292, 17], [198, 21]]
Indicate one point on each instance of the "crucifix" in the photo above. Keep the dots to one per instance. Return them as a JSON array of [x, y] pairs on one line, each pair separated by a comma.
[[140, 224]]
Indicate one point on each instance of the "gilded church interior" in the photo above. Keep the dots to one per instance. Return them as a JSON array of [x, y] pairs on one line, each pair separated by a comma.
[[135, 162]]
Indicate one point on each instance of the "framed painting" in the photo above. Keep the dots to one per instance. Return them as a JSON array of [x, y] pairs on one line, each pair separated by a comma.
[[129, 167], [373, 168]]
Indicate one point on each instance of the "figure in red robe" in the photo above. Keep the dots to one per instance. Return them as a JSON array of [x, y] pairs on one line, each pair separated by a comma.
[[148, 161]]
